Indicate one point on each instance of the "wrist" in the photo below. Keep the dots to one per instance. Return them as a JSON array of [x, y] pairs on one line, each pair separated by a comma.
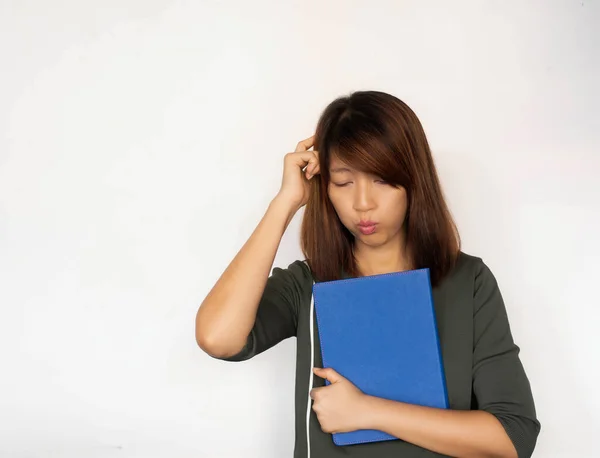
[[367, 413], [283, 203], [284, 207]]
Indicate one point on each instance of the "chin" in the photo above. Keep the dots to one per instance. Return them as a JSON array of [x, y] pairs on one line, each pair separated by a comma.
[[375, 239]]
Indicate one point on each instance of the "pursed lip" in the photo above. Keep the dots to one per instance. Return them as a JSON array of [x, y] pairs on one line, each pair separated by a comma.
[[367, 223]]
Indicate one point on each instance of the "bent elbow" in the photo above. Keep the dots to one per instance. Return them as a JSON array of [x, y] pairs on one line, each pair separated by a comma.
[[215, 347], [523, 432]]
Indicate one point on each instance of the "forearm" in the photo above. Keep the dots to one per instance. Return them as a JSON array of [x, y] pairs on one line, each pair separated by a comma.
[[457, 433], [228, 312]]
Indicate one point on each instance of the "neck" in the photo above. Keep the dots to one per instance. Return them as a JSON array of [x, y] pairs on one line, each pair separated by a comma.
[[394, 256]]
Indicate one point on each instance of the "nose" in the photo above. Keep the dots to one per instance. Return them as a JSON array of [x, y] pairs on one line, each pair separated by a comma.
[[363, 196]]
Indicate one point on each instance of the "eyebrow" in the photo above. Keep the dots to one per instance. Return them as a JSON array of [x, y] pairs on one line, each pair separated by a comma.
[[341, 170]]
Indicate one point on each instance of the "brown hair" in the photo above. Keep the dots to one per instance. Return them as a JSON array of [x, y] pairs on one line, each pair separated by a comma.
[[377, 133]]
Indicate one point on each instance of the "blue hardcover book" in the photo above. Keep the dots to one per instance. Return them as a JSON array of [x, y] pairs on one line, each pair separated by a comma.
[[380, 333]]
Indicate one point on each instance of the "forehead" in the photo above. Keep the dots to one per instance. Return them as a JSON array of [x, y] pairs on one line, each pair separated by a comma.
[[338, 166]]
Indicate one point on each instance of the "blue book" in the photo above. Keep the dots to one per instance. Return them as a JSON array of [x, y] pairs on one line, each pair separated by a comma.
[[380, 333]]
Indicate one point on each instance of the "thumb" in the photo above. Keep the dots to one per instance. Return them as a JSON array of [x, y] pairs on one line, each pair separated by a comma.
[[328, 373]]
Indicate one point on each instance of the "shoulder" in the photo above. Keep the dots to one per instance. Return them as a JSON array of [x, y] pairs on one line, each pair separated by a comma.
[[475, 278], [468, 264], [297, 271], [470, 272], [294, 280]]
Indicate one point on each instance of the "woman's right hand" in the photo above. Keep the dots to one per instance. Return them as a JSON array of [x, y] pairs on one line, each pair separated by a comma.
[[295, 184]]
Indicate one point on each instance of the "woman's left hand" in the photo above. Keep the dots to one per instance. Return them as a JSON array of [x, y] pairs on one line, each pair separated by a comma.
[[340, 406]]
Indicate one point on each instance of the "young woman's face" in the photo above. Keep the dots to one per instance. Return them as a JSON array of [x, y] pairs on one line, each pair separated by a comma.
[[359, 197]]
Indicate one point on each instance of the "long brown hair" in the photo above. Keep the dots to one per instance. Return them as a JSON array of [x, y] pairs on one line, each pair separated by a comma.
[[377, 133]]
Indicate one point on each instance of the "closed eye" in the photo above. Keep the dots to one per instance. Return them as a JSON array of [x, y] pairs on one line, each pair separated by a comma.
[[341, 185]]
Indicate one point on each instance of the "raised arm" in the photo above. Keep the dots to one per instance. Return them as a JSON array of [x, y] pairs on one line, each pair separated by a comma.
[[228, 313]]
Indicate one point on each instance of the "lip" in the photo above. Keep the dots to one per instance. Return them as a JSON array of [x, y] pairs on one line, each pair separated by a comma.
[[367, 223], [367, 227]]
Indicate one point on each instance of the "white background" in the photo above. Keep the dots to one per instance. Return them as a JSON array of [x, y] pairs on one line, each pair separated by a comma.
[[141, 142]]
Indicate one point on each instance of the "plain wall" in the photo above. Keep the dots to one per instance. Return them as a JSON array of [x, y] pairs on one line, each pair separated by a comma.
[[141, 142]]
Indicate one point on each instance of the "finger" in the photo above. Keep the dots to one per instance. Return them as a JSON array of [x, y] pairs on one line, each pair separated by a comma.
[[328, 374], [320, 372], [306, 160], [301, 158], [315, 392], [312, 172], [314, 166], [315, 170], [305, 144]]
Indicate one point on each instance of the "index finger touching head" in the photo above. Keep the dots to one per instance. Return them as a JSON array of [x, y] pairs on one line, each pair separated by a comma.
[[305, 144]]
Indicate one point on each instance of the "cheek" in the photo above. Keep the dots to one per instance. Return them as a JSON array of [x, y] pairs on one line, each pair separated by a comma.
[[342, 207], [396, 209], [334, 198]]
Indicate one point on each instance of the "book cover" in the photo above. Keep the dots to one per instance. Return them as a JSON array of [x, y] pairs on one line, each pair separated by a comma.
[[380, 332]]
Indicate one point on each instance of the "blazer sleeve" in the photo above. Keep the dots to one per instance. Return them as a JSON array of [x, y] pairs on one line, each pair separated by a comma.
[[277, 313], [500, 385]]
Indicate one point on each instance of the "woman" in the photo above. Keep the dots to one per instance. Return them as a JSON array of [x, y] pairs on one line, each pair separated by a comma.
[[374, 205]]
